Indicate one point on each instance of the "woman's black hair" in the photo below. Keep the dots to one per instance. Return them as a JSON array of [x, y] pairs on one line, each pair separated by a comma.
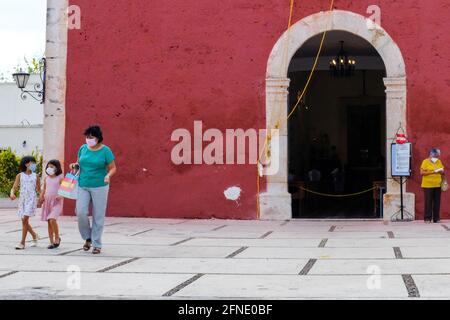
[[94, 131], [26, 160], [57, 165]]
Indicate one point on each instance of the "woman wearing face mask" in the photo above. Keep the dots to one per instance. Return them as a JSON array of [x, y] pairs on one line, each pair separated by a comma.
[[432, 171], [97, 166]]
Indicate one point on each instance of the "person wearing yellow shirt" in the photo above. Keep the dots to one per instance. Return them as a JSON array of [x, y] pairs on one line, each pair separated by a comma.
[[432, 171]]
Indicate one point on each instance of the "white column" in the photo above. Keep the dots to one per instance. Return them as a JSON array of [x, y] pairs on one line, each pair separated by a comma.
[[275, 203], [56, 54], [395, 115]]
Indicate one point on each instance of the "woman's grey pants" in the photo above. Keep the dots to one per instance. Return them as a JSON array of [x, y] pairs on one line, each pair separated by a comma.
[[99, 199]]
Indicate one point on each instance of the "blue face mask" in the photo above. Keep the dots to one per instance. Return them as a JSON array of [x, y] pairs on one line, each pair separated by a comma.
[[33, 167]]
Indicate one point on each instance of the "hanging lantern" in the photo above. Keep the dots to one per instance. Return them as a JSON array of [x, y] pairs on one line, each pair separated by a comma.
[[342, 65]]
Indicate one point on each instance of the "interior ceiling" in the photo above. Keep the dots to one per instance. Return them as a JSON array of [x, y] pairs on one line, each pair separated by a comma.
[[353, 45]]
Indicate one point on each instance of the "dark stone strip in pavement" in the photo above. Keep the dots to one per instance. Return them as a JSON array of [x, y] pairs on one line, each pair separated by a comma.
[[118, 265], [185, 221], [332, 228], [391, 235], [234, 254], [445, 227], [265, 235], [67, 252], [308, 266], [113, 224], [413, 291], [171, 292], [182, 241], [17, 230], [398, 253], [218, 228], [285, 223], [8, 274], [323, 243], [140, 232]]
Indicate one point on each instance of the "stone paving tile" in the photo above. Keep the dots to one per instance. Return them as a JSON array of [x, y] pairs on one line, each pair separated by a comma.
[[140, 239], [256, 223], [209, 234], [391, 227], [308, 229], [317, 253], [163, 251], [443, 234], [442, 251], [374, 243], [386, 266], [330, 235], [278, 287], [433, 286], [254, 242], [55, 263], [92, 284], [214, 266], [130, 229], [9, 250]]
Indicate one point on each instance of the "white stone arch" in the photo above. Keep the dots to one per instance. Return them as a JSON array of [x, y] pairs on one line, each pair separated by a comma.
[[276, 201]]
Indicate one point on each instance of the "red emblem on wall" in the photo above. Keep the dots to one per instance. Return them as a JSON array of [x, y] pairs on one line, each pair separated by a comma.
[[401, 138]]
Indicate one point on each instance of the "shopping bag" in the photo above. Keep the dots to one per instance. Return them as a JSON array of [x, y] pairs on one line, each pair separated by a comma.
[[69, 186], [444, 184]]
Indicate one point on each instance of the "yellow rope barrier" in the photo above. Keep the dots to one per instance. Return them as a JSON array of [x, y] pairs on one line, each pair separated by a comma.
[[337, 195], [300, 97]]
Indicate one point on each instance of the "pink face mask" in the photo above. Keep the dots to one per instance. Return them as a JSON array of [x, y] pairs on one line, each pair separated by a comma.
[[91, 142]]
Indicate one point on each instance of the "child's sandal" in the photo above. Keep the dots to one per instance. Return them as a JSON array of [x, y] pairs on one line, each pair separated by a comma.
[[20, 246], [56, 245]]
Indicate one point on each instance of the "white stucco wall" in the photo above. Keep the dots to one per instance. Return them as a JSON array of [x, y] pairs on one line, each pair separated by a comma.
[[20, 120]]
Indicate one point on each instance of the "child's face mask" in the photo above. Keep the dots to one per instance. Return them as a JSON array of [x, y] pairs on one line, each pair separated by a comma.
[[32, 167], [50, 171]]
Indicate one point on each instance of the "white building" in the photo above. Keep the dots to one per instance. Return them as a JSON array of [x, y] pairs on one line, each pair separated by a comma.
[[21, 121]]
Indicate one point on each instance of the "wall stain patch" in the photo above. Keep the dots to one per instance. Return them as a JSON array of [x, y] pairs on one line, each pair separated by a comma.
[[232, 193]]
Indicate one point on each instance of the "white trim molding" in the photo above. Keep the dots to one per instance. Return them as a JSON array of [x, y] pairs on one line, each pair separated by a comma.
[[276, 201]]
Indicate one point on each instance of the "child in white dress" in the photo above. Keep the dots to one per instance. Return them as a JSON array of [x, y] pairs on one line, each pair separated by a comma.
[[29, 184]]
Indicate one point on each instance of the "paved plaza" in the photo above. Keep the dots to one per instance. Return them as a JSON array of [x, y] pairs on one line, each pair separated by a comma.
[[230, 259]]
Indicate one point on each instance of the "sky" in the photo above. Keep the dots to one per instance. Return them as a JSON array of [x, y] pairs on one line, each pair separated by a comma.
[[22, 32]]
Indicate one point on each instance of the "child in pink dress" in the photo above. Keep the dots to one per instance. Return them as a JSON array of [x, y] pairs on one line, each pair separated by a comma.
[[52, 203]]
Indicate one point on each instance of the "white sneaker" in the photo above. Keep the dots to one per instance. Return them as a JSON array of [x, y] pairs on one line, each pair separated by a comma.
[[20, 246], [34, 242]]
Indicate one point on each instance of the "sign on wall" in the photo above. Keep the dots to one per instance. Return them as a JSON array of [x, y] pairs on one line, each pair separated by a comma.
[[401, 159]]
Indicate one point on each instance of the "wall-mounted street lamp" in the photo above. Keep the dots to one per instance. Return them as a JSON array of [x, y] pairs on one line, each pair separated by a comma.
[[21, 78]]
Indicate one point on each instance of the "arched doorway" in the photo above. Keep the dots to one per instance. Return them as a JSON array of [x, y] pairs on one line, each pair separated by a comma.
[[336, 137], [276, 200]]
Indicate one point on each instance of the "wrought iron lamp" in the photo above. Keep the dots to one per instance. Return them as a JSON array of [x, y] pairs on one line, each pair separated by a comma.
[[342, 65], [21, 78]]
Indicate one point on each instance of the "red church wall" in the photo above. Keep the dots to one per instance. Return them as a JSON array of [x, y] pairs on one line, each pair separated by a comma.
[[142, 69]]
